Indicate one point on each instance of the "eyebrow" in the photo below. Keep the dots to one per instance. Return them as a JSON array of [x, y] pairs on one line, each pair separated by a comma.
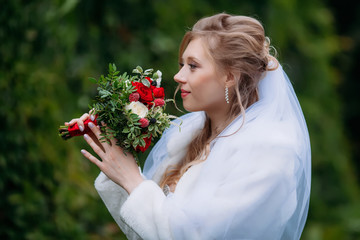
[[191, 58]]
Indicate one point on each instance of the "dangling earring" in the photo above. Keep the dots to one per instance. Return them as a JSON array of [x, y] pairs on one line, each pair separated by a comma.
[[227, 95]]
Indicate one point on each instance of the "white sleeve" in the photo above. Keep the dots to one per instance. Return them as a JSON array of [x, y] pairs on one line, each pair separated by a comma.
[[137, 214], [114, 197], [144, 211]]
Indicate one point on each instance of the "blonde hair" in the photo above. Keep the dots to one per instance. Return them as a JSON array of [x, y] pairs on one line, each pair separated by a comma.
[[239, 47]]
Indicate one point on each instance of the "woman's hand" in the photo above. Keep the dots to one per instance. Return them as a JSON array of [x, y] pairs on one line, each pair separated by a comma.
[[80, 122], [118, 166]]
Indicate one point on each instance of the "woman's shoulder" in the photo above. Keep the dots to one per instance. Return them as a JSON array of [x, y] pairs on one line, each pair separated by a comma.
[[263, 146]]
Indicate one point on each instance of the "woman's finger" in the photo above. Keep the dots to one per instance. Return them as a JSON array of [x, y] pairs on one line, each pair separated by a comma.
[[92, 114], [80, 121], [81, 124], [92, 159], [96, 140], [94, 146], [97, 133], [84, 117], [112, 139], [95, 130], [72, 122]]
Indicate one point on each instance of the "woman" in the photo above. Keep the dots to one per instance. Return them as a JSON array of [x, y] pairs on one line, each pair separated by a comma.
[[240, 166]]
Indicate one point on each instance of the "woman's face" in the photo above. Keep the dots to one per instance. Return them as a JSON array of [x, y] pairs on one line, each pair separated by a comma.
[[202, 88]]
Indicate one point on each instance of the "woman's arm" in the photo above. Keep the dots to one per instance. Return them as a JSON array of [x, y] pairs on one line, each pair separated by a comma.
[[114, 197]]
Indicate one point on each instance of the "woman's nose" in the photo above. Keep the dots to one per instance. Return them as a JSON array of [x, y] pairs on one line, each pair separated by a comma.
[[179, 77]]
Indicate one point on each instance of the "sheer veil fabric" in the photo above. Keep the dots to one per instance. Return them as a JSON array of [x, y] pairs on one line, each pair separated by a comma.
[[255, 184]]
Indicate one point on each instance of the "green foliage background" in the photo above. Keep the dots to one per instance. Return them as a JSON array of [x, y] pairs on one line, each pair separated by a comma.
[[48, 49]]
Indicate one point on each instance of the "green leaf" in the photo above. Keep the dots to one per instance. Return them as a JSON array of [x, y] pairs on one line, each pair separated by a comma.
[[104, 93], [93, 80], [145, 82], [142, 142], [136, 71], [148, 71], [140, 69]]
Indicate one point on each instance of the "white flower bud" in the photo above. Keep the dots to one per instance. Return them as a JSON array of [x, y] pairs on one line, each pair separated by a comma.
[[158, 80], [159, 73]]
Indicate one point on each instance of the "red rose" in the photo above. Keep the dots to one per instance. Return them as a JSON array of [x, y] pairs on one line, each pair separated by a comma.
[[147, 145], [144, 91], [159, 102], [159, 92]]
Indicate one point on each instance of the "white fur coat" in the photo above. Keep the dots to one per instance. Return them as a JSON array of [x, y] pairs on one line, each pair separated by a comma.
[[255, 184]]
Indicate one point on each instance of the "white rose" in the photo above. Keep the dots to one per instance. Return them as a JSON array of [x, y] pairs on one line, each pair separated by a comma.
[[158, 80], [138, 108]]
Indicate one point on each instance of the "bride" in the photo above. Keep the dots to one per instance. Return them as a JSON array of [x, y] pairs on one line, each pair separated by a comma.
[[240, 166]]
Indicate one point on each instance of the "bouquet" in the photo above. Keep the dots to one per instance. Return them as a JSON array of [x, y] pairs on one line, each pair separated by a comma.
[[131, 108]]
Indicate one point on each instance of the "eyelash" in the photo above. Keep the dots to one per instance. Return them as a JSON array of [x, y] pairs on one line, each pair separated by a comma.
[[192, 66]]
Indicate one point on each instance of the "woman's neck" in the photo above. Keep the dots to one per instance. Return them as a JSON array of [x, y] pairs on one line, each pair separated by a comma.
[[219, 121]]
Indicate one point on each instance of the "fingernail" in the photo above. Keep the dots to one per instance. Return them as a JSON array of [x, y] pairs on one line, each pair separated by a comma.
[[86, 136], [91, 125], [83, 151], [92, 117], [81, 128]]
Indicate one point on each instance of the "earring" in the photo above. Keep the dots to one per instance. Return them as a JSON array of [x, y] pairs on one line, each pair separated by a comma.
[[227, 95]]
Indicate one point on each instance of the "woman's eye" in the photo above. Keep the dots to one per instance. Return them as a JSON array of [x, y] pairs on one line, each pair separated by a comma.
[[192, 66], [181, 65]]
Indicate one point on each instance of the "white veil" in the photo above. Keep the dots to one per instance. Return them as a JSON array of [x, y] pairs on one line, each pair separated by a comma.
[[255, 184]]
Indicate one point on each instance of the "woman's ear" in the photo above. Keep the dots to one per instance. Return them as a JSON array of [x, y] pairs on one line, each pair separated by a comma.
[[232, 78]]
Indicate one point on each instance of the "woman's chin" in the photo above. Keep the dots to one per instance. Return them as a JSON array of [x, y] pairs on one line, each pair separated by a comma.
[[191, 108], [187, 107]]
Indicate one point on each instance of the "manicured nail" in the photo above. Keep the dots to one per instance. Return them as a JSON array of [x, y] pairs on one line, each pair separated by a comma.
[[91, 125], [86, 136], [81, 128], [83, 151], [92, 117]]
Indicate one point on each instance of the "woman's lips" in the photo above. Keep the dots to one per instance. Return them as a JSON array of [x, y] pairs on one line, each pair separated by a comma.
[[184, 93]]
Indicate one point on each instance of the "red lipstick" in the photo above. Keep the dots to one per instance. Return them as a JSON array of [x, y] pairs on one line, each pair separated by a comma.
[[184, 93]]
